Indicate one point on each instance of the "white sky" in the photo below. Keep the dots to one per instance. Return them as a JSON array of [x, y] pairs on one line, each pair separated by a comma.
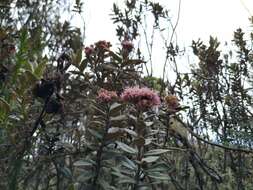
[[198, 19], [201, 18]]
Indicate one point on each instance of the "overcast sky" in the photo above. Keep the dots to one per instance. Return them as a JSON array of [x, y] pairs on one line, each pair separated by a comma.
[[198, 19]]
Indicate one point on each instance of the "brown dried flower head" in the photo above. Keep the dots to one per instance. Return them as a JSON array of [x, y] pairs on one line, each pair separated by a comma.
[[172, 102]]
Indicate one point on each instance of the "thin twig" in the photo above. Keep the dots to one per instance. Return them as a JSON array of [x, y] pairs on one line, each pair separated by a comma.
[[212, 143]]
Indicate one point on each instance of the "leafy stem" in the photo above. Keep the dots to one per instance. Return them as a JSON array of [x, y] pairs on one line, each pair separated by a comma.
[[139, 154], [18, 160], [100, 152], [137, 175]]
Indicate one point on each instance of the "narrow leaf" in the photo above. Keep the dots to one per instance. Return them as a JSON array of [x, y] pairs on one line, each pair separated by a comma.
[[119, 118], [156, 152], [4, 105], [82, 163], [126, 148], [150, 159], [95, 133]]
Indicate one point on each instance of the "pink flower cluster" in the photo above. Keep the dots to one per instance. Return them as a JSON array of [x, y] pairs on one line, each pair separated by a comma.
[[127, 45], [144, 98], [102, 45], [89, 50], [106, 95]]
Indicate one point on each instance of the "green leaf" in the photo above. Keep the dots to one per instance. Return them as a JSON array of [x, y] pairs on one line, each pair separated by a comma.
[[115, 56], [158, 175], [95, 133], [156, 152], [126, 180], [126, 148], [66, 172], [133, 119], [97, 123], [82, 163], [97, 109], [26, 80], [113, 133], [108, 155], [85, 176], [4, 105], [159, 167], [116, 108], [133, 62], [83, 65], [150, 159], [38, 71], [109, 67], [119, 118], [148, 123], [13, 176], [23, 40], [104, 184], [117, 174], [78, 57], [30, 77], [71, 187], [130, 132], [148, 141], [128, 163]]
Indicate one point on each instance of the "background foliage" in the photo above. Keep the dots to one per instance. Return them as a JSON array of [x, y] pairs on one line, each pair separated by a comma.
[[68, 122]]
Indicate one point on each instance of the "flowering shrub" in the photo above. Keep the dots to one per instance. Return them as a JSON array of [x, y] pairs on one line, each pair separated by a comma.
[[143, 98], [99, 47], [58, 131]]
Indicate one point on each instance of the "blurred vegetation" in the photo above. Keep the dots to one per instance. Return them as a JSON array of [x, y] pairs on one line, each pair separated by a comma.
[[64, 123]]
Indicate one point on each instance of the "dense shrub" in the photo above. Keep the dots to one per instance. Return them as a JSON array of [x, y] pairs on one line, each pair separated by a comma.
[[90, 117]]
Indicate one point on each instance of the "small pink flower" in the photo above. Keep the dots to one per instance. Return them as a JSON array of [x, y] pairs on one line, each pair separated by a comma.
[[143, 98], [89, 50], [127, 45], [106, 95]]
